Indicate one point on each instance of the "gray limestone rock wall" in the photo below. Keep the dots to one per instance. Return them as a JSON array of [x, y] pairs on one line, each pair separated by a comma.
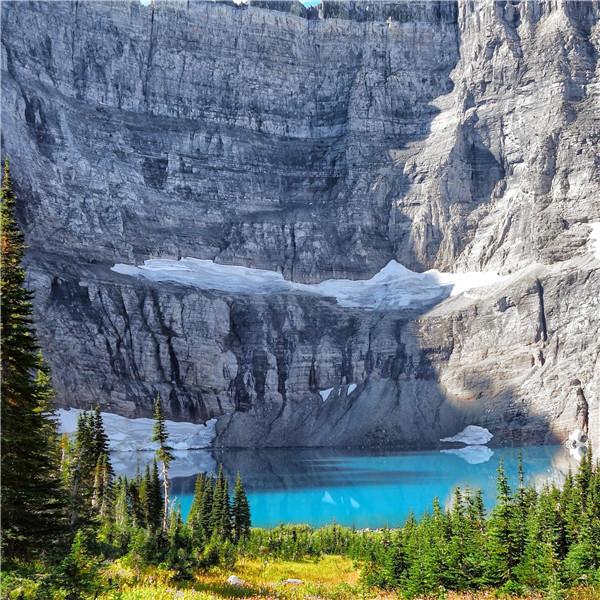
[[321, 144]]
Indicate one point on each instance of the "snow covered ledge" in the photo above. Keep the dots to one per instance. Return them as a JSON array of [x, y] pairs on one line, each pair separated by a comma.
[[135, 435], [471, 435], [393, 287]]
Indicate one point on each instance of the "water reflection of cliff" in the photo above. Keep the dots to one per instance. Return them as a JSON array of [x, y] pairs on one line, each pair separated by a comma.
[[331, 471]]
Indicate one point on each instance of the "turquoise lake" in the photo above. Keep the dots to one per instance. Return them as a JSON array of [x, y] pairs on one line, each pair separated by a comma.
[[353, 487]]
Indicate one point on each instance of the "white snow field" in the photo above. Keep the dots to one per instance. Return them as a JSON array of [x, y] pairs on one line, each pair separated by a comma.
[[394, 286], [134, 435], [471, 435]]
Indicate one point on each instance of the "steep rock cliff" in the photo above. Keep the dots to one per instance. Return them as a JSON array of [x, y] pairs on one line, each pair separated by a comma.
[[319, 143]]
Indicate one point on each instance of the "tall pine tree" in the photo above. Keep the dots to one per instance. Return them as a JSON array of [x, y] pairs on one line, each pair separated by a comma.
[[164, 455], [32, 500], [194, 519], [240, 511]]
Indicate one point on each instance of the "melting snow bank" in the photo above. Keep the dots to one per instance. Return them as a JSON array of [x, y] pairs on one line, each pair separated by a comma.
[[131, 435], [325, 393], [339, 389], [471, 435], [594, 239], [394, 286], [473, 455]]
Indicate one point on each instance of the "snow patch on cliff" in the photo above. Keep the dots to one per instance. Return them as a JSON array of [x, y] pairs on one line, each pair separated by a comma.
[[594, 239], [133, 435], [394, 286], [325, 393], [471, 435]]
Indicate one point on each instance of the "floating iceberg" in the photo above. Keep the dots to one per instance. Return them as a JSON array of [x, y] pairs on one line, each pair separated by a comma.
[[472, 435], [394, 286], [132, 435]]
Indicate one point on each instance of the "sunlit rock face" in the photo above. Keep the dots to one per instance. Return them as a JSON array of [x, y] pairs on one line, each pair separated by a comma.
[[320, 144]]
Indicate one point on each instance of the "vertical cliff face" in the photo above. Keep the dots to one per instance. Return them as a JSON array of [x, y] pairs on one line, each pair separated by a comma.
[[319, 143], [242, 134]]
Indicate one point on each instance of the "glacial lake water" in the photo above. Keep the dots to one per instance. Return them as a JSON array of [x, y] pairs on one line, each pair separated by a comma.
[[357, 488]]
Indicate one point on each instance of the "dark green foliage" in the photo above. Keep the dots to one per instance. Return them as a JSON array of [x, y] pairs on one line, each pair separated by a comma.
[[32, 498], [78, 572], [88, 473], [532, 541], [240, 511], [151, 498], [205, 517], [220, 519], [195, 515]]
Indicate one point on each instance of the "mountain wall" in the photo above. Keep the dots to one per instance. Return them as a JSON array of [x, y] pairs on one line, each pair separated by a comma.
[[319, 143]]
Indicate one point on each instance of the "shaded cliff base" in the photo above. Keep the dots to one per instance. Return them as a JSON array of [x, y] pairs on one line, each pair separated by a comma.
[[501, 357]]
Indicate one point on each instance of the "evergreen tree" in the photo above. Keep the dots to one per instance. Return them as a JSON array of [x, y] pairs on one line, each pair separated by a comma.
[[207, 507], [177, 554], [32, 501], [221, 508], [583, 558], [101, 439], [122, 511], [155, 499], [518, 528], [541, 560], [240, 511], [83, 465], [584, 477], [105, 491], [571, 509], [151, 498], [164, 455], [194, 519], [500, 546], [137, 509]]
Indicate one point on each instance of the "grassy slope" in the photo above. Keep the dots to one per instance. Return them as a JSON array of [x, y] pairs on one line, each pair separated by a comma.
[[330, 577]]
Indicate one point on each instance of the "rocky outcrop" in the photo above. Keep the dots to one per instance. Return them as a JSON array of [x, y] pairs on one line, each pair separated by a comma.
[[319, 143]]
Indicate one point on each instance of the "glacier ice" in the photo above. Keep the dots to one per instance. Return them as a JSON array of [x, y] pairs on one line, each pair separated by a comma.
[[133, 435], [394, 286]]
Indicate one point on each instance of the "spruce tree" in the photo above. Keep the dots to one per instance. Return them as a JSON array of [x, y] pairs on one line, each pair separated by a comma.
[[32, 501], [540, 562], [164, 455], [221, 508], [194, 519], [155, 499], [207, 507], [216, 517], [137, 509], [518, 529], [101, 443], [145, 480], [106, 504], [240, 511], [500, 563], [83, 466]]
